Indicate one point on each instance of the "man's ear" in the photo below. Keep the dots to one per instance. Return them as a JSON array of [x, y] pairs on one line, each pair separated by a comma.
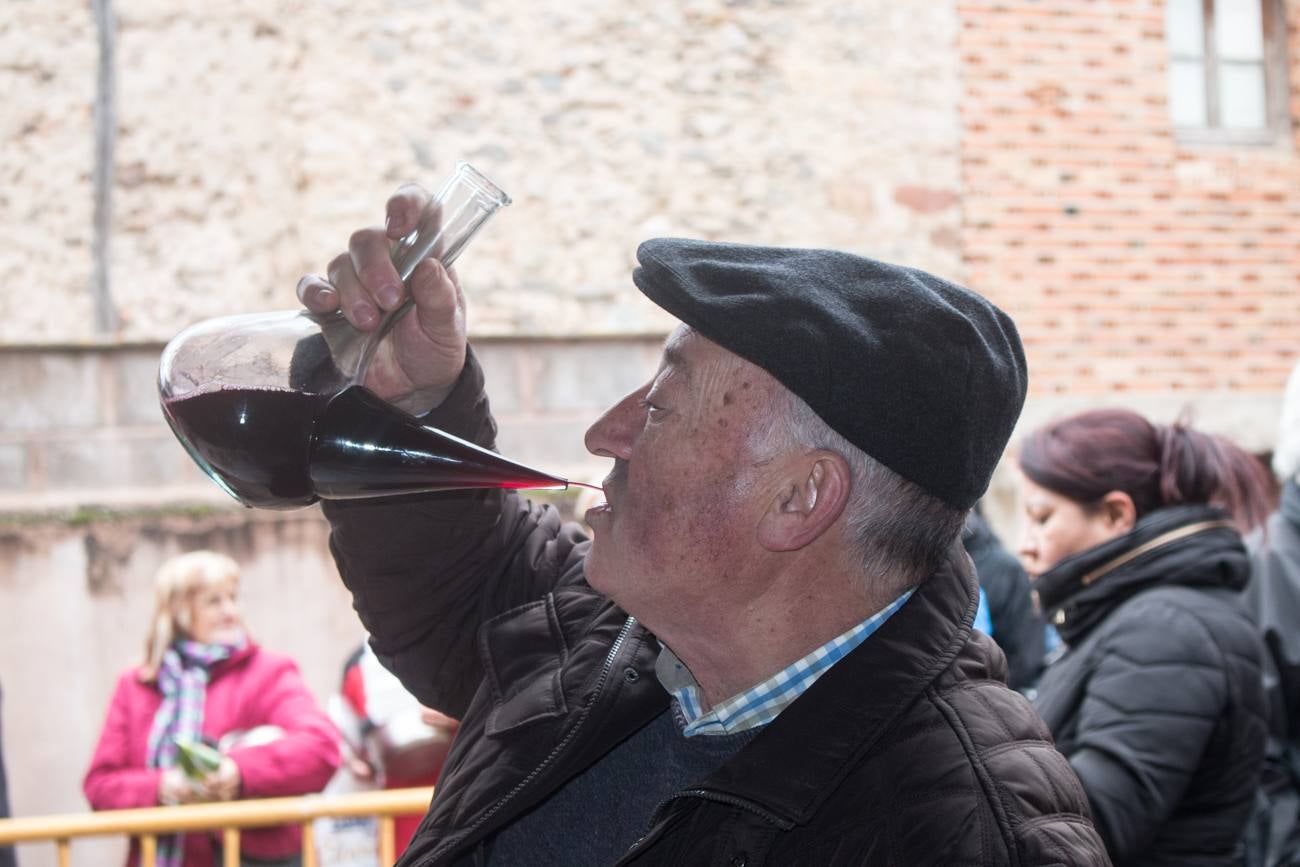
[[809, 501], [1118, 512]]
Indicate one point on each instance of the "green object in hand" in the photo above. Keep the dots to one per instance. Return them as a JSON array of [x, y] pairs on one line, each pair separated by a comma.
[[196, 759]]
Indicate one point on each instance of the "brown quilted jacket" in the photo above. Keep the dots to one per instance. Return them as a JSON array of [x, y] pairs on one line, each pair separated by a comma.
[[908, 752]]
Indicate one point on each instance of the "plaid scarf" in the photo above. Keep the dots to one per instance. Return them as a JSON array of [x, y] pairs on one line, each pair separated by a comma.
[[183, 681]]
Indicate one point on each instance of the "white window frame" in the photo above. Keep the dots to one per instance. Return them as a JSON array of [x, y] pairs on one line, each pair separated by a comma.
[[1276, 107]]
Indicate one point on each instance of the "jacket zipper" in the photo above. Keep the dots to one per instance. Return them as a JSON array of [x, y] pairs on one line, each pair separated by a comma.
[[606, 667], [704, 795]]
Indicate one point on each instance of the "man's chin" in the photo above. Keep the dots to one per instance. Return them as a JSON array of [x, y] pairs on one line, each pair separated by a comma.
[[604, 574], [594, 568]]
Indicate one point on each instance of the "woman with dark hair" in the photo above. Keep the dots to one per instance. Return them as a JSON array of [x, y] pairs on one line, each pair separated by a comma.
[[1132, 536]]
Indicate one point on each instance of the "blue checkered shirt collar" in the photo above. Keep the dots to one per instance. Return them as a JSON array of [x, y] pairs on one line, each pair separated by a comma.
[[759, 705]]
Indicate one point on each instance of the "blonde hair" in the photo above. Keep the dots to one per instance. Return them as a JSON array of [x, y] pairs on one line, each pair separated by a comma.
[[178, 581]]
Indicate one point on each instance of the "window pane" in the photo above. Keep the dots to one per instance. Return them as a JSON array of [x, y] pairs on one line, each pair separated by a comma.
[[1187, 92], [1238, 29], [1242, 102], [1185, 28]]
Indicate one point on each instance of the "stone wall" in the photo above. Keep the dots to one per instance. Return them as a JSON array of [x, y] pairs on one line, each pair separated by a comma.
[[253, 136]]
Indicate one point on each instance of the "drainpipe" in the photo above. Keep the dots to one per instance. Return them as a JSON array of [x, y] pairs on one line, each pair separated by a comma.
[[105, 123]]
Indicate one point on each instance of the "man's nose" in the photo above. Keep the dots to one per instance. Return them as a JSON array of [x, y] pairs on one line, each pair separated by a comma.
[[611, 435]]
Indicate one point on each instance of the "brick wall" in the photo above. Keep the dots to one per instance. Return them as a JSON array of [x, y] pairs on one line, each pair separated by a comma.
[[1136, 266]]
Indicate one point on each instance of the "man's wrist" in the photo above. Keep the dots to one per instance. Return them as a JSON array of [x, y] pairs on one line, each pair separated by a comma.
[[419, 403]]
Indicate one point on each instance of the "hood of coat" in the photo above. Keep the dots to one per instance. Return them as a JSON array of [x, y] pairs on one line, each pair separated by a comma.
[[1188, 546]]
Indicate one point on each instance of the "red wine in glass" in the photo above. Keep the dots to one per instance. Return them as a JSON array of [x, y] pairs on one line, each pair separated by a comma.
[[282, 449]]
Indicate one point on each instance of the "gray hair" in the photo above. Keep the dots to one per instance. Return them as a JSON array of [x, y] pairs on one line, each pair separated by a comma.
[[1286, 454], [900, 532]]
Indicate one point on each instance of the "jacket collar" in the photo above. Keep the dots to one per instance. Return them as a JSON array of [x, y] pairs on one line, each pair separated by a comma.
[[1188, 545], [819, 739]]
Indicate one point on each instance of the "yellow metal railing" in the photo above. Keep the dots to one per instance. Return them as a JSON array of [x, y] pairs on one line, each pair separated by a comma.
[[229, 817]]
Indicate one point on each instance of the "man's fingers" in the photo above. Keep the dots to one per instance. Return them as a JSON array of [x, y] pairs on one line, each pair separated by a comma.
[[436, 293], [372, 262], [403, 210], [316, 294], [356, 304]]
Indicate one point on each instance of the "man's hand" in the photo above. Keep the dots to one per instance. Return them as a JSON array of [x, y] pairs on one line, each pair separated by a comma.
[[438, 720], [361, 769], [224, 783], [419, 365]]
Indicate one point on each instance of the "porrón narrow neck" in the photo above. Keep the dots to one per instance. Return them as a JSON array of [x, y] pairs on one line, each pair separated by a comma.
[[363, 446]]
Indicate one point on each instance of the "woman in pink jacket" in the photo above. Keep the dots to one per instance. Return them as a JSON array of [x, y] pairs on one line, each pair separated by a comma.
[[203, 680]]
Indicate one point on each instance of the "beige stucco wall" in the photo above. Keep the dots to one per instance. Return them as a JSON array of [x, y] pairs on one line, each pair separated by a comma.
[[252, 136]]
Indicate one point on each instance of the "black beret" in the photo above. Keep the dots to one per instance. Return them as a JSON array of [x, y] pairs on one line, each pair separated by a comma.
[[924, 376]]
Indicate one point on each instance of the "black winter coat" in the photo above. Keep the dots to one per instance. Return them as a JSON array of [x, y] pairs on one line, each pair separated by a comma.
[[1273, 598], [1017, 628], [908, 752], [1158, 700]]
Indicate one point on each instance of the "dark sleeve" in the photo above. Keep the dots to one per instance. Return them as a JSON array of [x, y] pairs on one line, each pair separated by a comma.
[[1017, 628], [1148, 710], [426, 571], [311, 367], [1273, 600]]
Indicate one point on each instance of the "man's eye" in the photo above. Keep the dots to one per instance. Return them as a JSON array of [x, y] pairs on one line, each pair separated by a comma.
[[650, 408]]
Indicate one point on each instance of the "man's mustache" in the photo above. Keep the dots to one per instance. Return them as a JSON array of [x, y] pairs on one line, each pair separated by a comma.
[[617, 477]]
